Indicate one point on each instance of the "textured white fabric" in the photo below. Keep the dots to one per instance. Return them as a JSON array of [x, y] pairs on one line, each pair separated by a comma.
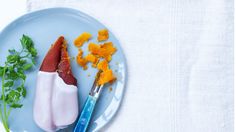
[[10, 10], [180, 61]]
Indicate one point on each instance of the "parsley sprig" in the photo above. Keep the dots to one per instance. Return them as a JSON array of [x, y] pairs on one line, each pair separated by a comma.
[[13, 78]]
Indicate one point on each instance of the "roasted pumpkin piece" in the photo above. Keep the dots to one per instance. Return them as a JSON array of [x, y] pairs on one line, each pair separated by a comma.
[[103, 35], [106, 76], [103, 65], [80, 40], [80, 60], [94, 48], [109, 50], [93, 59], [105, 50], [108, 58], [97, 52]]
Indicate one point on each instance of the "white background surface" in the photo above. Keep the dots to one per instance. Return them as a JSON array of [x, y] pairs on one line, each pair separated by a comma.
[[180, 60], [10, 10]]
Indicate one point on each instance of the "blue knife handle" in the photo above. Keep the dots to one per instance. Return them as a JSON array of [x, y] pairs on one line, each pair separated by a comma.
[[86, 114]]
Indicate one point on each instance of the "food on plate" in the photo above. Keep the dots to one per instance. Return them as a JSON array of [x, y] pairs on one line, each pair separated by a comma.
[[13, 78], [52, 58], [106, 76], [103, 35], [93, 59], [56, 98], [99, 55], [80, 60], [103, 65], [110, 89], [84, 37], [64, 68], [105, 50]]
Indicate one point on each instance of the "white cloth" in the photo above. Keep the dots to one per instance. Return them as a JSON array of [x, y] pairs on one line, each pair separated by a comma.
[[10, 10], [180, 61]]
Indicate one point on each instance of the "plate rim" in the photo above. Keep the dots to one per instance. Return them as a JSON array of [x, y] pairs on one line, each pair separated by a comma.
[[74, 11]]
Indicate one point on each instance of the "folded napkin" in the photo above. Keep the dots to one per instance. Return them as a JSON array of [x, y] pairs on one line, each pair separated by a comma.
[[180, 61]]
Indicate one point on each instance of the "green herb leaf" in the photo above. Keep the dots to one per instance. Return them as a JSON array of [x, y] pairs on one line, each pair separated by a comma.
[[27, 66], [13, 76], [19, 89], [9, 84], [33, 60], [33, 52], [12, 58], [12, 51], [16, 105], [12, 97], [10, 68], [7, 89], [1, 70], [26, 42], [21, 75], [22, 90], [22, 62]]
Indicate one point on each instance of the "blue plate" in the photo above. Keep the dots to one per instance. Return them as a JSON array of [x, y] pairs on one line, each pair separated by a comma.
[[44, 27]]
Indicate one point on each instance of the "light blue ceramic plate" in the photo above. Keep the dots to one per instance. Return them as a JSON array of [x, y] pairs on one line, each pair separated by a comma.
[[44, 27]]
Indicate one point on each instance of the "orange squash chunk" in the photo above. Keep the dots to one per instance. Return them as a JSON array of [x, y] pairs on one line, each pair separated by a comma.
[[94, 48], [109, 50], [97, 52], [93, 59], [103, 35], [80, 60], [84, 37], [103, 65], [105, 50], [106, 76]]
